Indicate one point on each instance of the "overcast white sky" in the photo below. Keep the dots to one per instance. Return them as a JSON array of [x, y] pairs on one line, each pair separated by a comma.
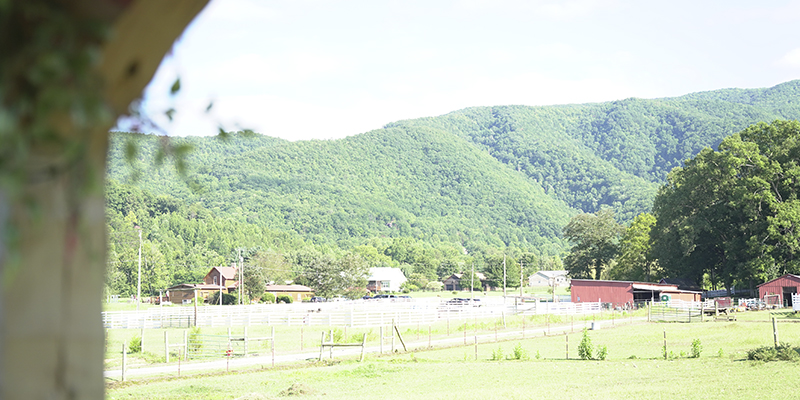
[[321, 69]]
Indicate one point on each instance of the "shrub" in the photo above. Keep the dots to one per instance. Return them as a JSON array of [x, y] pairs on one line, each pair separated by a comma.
[[135, 345], [284, 298], [195, 343], [227, 299], [497, 354], [520, 353], [602, 352], [585, 349], [697, 348], [784, 352], [268, 297]]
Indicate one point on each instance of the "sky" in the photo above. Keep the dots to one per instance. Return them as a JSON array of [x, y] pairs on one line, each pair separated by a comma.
[[324, 69]]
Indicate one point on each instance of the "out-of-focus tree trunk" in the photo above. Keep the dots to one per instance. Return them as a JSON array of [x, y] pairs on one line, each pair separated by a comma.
[[52, 242]]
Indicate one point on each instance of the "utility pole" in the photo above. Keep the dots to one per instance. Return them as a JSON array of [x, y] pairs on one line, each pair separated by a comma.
[[472, 283], [139, 285], [504, 277], [241, 278]]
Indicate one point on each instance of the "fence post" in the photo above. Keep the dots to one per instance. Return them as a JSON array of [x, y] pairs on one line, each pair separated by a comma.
[[321, 345], [245, 340], [566, 337], [363, 345], [124, 360], [380, 347], [301, 338], [775, 331], [476, 347], [166, 345], [272, 346], [185, 345], [429, 336]]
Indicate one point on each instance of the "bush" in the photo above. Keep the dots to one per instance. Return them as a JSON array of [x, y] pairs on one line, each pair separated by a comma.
[[784, 352], [585, 349], [602, 352], [697, 348], [195, 343], [135, 345], [227, 299], [284, 298], [267, 298], [520, 353], [497, 354]]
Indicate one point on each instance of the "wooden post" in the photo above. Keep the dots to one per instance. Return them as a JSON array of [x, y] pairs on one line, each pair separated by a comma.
[[380, 347], [566, 338], [476, 347], [363, 345], [245, 341], [186, 344], [301, 338], [465, 332], [495, 331], [399, 336], [702, 310], [321, 345], [523, 326], [429, 336], [166, 345], [124, 359], [272, 346], [665, 343], [775, 331]]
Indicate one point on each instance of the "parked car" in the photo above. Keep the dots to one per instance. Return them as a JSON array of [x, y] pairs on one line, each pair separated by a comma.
[[317, 299]]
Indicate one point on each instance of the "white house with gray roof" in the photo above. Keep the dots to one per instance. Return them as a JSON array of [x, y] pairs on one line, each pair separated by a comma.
[[546, 278]]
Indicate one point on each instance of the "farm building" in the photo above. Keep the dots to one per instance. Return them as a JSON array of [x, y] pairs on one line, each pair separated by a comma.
[[453, 282], [296, 292], [622, 293], [547, 278], [217, 279], [385, 279], [783, 286]]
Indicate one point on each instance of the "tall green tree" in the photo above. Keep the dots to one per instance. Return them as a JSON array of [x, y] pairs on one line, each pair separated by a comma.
[[730, 215], [635, 262], [596, 243]]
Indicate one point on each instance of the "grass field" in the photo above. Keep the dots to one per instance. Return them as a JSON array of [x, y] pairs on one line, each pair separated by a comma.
[[635, 367]]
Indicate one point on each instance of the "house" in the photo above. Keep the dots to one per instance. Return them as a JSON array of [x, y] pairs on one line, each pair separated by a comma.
[[783, 286], [296, 292], [218, 279], [547, 278], [223, 276], [453, 282], [385, 279], [622, 293]]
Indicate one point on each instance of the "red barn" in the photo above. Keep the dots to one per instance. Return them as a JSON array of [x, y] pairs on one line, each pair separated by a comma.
[[784, 287], [621, 293]]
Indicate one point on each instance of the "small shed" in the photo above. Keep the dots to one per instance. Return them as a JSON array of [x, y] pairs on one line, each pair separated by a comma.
[[625, 293], [783, 286], [186, 291]]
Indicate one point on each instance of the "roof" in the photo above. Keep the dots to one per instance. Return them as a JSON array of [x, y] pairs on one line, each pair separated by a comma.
[[480, 276], [226, 272], [790, 276], [288, 288], [386, 274], [193, 286], [683, 284], [636, 285], [552, 274]]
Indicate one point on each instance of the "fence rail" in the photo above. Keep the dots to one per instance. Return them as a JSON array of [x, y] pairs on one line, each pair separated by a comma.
[[352, 314]]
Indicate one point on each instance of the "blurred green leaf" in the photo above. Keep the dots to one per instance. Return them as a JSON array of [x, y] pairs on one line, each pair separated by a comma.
[[176, 87]]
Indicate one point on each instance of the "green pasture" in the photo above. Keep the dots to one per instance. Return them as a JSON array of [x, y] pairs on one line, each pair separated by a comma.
[[299, 339], [635, 366]]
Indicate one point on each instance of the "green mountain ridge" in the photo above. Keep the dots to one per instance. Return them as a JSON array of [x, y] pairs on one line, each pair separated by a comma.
[[478, 177]]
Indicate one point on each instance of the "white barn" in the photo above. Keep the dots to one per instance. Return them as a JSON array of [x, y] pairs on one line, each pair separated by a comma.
[[385, 279]]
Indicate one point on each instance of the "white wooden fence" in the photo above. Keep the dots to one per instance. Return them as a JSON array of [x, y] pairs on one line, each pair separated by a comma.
[[353, 314]]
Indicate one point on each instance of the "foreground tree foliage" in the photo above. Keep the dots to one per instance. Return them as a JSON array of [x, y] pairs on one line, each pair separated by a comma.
[[733, 215]]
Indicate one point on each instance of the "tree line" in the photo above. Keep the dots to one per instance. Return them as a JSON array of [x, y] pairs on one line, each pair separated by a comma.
[[729, 217]]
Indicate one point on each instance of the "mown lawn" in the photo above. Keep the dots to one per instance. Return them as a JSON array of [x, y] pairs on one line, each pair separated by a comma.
[[635, 367]]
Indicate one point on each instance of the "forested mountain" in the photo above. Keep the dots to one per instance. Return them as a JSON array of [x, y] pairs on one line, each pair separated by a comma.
[[483, 179]]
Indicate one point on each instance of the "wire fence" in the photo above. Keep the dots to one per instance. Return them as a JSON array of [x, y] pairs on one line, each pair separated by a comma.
[[352, 314]]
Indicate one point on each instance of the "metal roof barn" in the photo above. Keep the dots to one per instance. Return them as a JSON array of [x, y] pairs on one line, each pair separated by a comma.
[[618, 293]]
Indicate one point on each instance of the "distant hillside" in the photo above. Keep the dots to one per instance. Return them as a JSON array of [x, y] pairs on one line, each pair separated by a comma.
[[484, 176]]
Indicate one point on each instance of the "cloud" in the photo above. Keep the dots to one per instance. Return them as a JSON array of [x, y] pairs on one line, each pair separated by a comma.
[[790, 59]]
